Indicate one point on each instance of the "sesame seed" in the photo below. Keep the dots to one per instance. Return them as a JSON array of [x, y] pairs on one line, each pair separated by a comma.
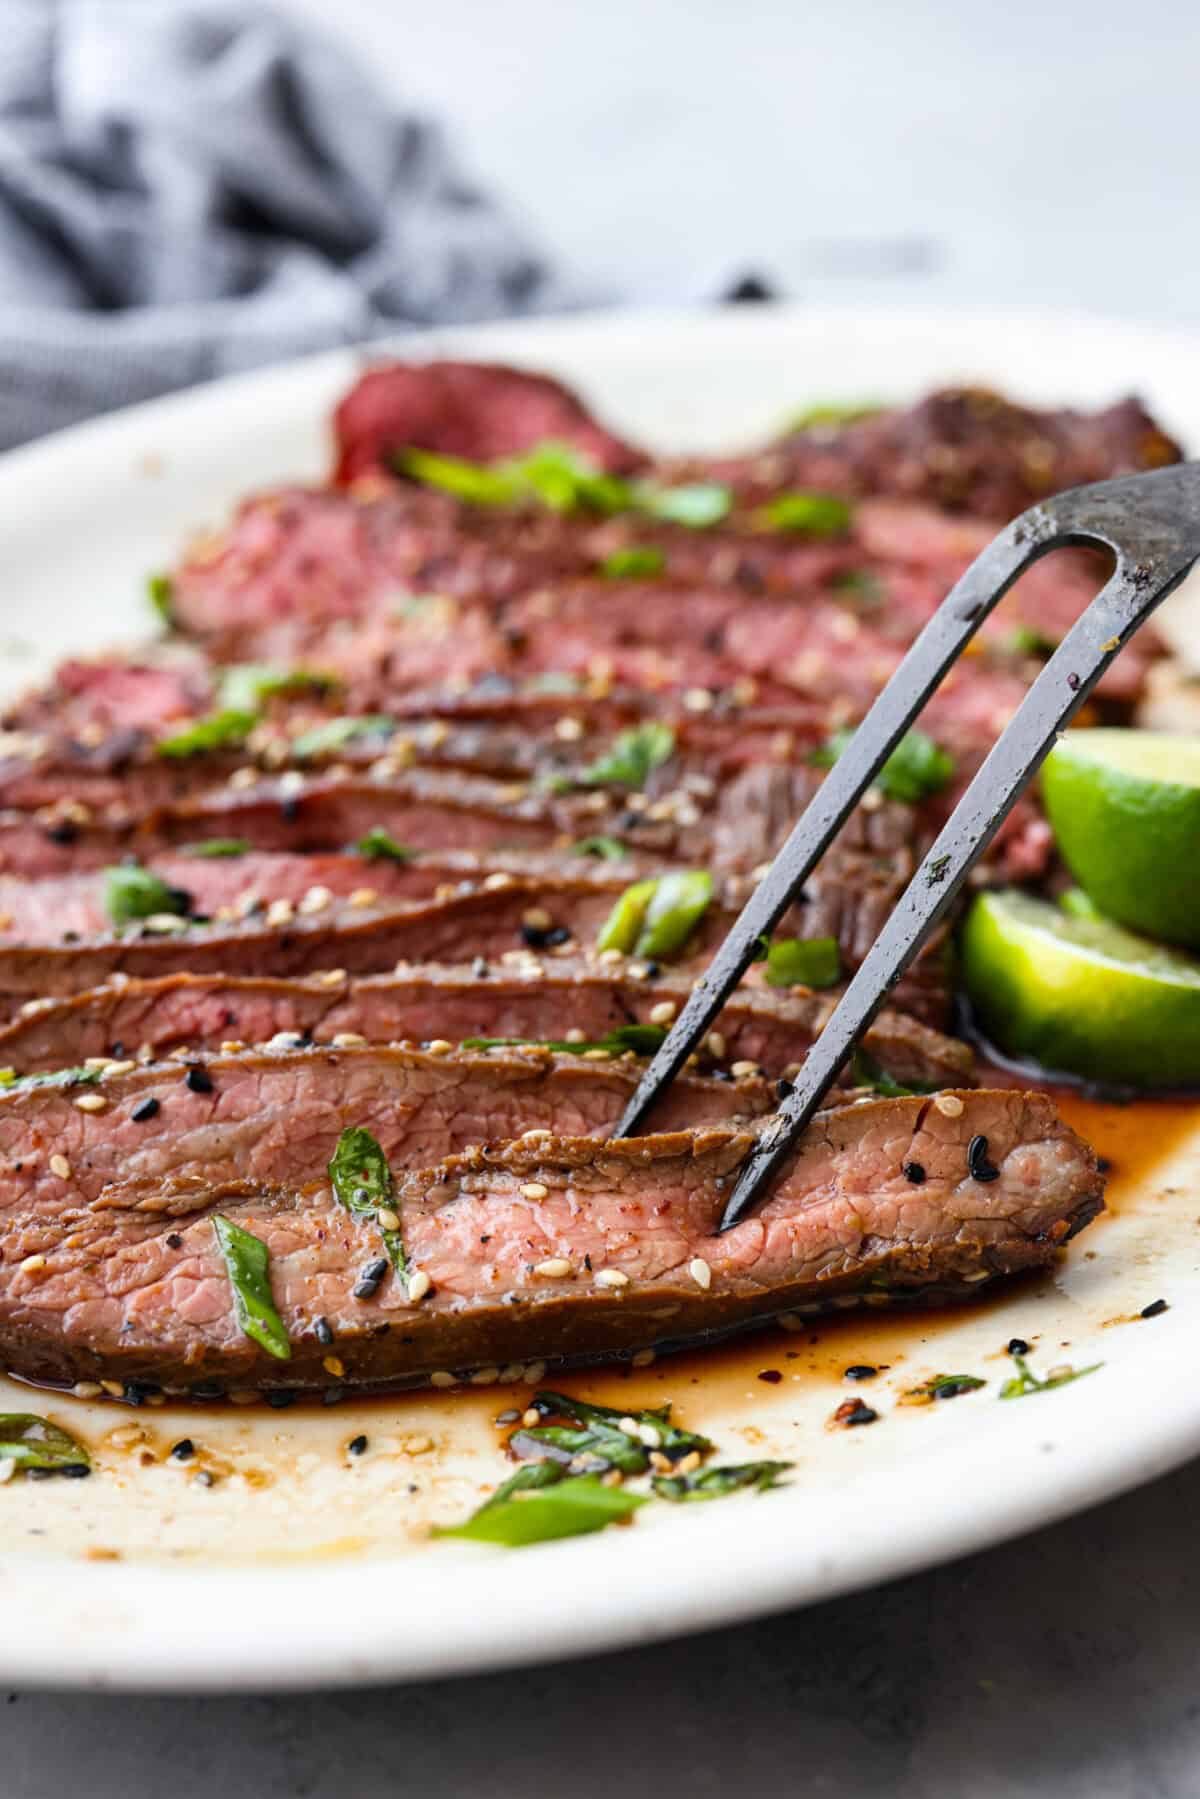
[[575, 1035], [949, 1105], [700, 1272], [611, 1277], [740, 1069], [442, 1379], [357, 1445], [596, 1055], [689, 1463], [61, 1167], [663, 1013], [243, 777], [363, 896], [91, 1102], [534, 1372], [650, 1435], [417, 1445], [389, 1220], [660, 1463], [440, 1046], [32, 1264], [534, 1190], [146, 1110], [87, 1389], [315, 900], [611, 956], [555, 1268], [332, 977], [536, 1135], [537, 919], [198, 1080], [116, 1068], [96, 1061], [716, 1046], [334, 1365], [280, 911], [494, 883], [348, 1040], [485, 1377], [419, 1284], [642, 1359]]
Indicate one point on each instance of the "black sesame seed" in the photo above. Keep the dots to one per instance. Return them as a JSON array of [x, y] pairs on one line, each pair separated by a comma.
[[1155, 1309], [75, 1471], [364, 1288], [855, 1412], [376, 1269], [65, 832], [289, 811], [323, 1331], [977, 1163], [198, 1080], [184, 1450], [357, 1445], [332, 1395], [913, 1171], [652, 971], [174, 1240], [480, 969], [280, 1399], [860, 1371], [208, 1389], [1103, 1165], [772, 1376], [149, 1108], [1017, 1346]]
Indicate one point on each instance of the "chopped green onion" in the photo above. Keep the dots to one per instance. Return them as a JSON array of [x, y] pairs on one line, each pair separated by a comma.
[[380, 846], [160, 590], [916, 767], [1025, 1382], [642, 1039], [132, 892], [608, 849], [942, 1386], [471, 481], [28, 1441], [633, 757], [56, 1077], [866, 1072], [362, 1182], [537, 1506], [698, 504], [676, 906], [595, 1430], [830, 414], [623, 925], [813, 514], [804, 962], [247, 1262], [636, 560], [1025, 640], [335, 733], [216, 731], [563, 478], [214, 847], [247, 686], [715, 1483]]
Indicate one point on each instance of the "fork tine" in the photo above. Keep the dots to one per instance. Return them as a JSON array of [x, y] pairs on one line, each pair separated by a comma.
[[1151, 560]]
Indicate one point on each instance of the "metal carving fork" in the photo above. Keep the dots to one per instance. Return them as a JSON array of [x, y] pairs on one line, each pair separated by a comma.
[[1151, 524]]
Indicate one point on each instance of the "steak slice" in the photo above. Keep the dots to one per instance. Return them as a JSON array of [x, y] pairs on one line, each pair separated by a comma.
[[133, 1288], [429, 1001]]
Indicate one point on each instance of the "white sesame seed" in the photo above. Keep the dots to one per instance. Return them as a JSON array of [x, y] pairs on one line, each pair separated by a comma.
[[363, 897], [949, 1105], [611, 955], [231, 1046], [32, 1264], [534, 1190], [388, 1220], [698, 699], [91, 1102], [419, 1284], [485, 1377], [611, 1277], [331, 977], [493, 883], [650, 1435], [116, 1068], [659, 1462], [441, 1046], [689, 1463], [555, 1268], [700, 1272], [243, 1395], [315, 900], [642, 1359], [596, 1055], [530, 1417], [569, 730], [716, 1046], [442, 1379], [663, 1013], [537, 919], [100, 1062], [280, 911], [165, 922], [534, 1372], [575, 1035], [244, 777], [534, 1136], [739, 1069], [291, 783], [348, 1040], [114, 1389], [87, 1389], [61, 1167]]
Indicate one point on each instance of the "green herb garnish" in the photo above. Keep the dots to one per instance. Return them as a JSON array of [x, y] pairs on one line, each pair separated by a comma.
[[636, 560], [216, 731], [214, 847], [160, 591], [715, 1483], [916, 767], [380, 846], [804, 962], [656, 917], [866, 1072], [812, 514], [942, 1386], [859, 589], [362, 1182], [642, 1039], [247, 686], [623, 925], [595, 1432], [608, 849], [32, 1442], [1025, 640], [247, 1262], [633, 757], [830, 414], [1025, 1381], [539, 1504], [132, 892], [471, 481], [56, 1077], [697, 504], [335, 733]]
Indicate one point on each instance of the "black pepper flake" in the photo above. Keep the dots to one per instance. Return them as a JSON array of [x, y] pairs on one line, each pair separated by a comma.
[[323, 1331], [357, 1445], [772, 1376], [1017, 1346], [852, 1412], [1155, 1309], [860, 1371], [913, 1171], [184, 1450], [174, 1240], [148, 1108], [977, 1163], [198, 1080]]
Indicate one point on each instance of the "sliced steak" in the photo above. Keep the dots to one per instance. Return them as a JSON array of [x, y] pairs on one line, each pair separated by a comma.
[[521, 1245], [428, 1001]]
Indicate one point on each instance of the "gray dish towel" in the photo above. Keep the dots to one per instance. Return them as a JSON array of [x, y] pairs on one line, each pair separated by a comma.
[[189, 188]]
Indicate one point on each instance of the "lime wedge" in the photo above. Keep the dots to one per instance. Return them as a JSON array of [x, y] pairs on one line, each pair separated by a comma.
[[1125, 808], [1081, 994]]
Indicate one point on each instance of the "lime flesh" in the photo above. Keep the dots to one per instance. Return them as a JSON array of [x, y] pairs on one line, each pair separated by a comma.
[[1081, 995], [1125, 810]]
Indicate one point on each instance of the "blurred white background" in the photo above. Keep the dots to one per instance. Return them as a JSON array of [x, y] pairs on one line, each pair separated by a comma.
[[1024, 153]]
